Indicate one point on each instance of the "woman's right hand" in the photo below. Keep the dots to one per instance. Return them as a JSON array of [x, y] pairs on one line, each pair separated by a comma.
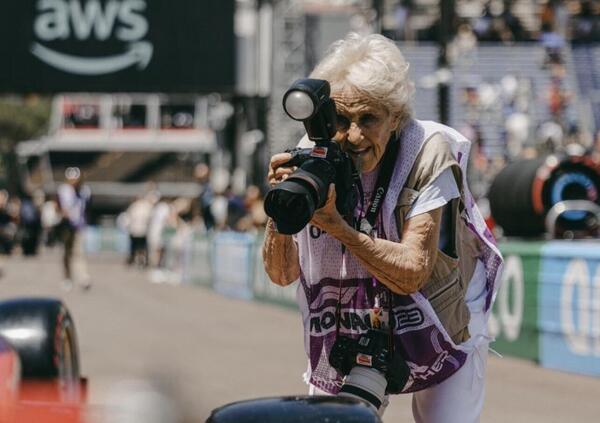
[[278, 172]]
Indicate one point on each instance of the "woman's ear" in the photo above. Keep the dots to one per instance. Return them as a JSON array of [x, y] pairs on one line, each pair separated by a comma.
[[395, 124], [399, 119]]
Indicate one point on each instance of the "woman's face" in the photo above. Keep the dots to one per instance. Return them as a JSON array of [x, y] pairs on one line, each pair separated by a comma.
[[363, 128]]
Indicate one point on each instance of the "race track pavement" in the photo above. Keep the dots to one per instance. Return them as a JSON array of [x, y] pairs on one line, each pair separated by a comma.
[[210, 350]]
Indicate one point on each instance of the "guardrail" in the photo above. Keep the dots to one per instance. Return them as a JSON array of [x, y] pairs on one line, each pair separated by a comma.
[[547, 309], [228, 262]]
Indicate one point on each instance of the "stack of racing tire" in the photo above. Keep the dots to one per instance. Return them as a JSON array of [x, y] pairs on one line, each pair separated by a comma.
[[524, 192]]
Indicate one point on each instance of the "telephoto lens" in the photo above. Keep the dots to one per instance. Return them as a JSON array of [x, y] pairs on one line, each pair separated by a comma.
[[365, 383], [293, 202]]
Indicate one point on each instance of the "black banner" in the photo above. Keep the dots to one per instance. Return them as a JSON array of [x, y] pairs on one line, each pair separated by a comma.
[[49, 46]]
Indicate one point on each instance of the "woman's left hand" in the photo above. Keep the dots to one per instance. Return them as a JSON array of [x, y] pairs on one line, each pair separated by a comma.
[[327, 217]]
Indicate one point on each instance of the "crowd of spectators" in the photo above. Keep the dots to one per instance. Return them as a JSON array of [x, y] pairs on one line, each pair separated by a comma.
[[555, 22], [512, 101], [515, 116], [156, 224], [506, 102], [508, 106]]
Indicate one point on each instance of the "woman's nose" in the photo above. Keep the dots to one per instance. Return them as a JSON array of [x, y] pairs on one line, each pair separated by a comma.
[[355, 135]]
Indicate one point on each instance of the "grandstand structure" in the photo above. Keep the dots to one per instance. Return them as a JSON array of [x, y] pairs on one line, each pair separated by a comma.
[[121, 142], [424, 13], [586, 60], [488, 64], [288, 64], [487, 70]]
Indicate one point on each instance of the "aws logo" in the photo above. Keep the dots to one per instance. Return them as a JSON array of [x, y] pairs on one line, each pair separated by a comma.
[[59, 20]]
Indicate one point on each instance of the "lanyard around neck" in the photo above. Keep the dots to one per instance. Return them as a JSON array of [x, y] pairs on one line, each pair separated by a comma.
[[381, 186]]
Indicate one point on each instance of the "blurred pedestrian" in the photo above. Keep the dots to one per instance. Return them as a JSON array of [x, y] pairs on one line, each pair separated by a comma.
[[464, 46], [50, 216], [30, 225], [586, 27], [137, 219], [73, 198], [558, 97], [8, 227], [512, 22], [159, 220], [553, 43], [236, 208], [595, 150], [206, 195]]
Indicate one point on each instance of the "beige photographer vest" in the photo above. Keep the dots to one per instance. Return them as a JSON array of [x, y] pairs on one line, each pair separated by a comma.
[[430, 325], [448, 283]]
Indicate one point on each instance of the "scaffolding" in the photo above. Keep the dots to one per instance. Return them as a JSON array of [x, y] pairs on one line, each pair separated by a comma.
[[289, 64]]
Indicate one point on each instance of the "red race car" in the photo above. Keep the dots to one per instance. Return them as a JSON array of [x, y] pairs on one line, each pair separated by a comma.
[[40, 380]]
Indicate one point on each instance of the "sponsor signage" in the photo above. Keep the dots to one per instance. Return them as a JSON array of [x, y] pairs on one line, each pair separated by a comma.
[[116, 46], [514, 318], [570, 316]]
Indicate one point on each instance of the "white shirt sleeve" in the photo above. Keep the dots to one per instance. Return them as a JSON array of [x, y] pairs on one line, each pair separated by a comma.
[[305, 142], [441, 191]]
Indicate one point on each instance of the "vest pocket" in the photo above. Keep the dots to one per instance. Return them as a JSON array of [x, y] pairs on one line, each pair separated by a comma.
[[441, 292], [446, 296], [455, 317]]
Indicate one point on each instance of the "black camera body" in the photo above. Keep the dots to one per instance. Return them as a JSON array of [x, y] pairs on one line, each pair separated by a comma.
[[335, 166], [292, 203], [371, 350]]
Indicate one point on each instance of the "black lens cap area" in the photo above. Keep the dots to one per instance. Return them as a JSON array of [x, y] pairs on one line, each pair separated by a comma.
[[296, 409], [291, 205]]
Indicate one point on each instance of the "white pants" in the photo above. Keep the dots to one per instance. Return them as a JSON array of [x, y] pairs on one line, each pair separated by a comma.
[[458, 399]]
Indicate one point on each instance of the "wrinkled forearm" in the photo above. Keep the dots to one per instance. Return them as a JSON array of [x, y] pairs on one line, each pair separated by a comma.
[[280, 256], [402, 266]]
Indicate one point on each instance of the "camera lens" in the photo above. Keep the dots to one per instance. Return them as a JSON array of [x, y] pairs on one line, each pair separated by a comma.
[[291, 204], [365, 383]]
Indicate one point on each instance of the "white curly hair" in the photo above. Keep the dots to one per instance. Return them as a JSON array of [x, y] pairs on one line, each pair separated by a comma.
[[372, 66]]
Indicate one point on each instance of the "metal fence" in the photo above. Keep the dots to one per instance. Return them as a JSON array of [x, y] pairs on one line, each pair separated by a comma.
[[547, 309], [228, 262]]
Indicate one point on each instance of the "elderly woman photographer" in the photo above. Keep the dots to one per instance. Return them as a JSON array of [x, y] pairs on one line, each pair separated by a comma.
[[424, 268]]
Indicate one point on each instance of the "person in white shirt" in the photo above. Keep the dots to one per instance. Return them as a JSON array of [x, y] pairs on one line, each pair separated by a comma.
[[73, 197]]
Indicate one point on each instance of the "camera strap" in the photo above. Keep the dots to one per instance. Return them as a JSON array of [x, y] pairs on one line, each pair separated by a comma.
[[367, 222]]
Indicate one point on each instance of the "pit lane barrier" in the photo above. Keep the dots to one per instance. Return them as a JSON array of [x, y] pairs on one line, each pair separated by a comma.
[[547, 309], [228, 262]]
